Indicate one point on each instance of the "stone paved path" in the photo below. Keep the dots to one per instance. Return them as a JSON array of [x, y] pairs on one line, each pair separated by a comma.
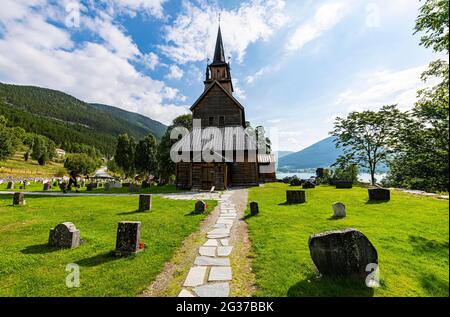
[[211, 272]]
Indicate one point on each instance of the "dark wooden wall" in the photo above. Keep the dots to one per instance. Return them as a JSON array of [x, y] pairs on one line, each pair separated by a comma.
[[215, 104], [244, 174]]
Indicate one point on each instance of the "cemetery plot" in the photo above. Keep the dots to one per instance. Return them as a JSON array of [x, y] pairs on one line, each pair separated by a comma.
[[407, 236], [43, 238]]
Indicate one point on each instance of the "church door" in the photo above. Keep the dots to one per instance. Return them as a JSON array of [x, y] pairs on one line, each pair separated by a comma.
[[207, 176]]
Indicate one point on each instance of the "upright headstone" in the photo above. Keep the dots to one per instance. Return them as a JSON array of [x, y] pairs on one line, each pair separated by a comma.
[[133, 188], [377, 194], [10, 185], [107, 186], [47, 186], [339, 210], [295, 196], [18, 199], [64, 235], [128, 238], [342, 253], [254, 208], [89, 187], [145, 202], [200, 207], [308, 185], [343, 184]]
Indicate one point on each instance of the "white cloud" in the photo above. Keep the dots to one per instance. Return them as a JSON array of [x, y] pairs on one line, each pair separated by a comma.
[[150, 60], [132, 7], [238, 91], [175, 73], [379, 88], [325, 18], [35, 52], [192, 36]]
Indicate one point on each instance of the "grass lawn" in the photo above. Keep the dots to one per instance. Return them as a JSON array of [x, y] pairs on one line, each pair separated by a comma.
[[38, 187], [17, 167], [410, 233], [28, 267]]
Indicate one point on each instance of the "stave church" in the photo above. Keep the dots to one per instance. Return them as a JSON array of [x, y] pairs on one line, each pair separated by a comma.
[[217, 107]]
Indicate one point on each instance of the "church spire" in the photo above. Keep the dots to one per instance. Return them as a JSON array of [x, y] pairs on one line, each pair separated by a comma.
[[219, 54]]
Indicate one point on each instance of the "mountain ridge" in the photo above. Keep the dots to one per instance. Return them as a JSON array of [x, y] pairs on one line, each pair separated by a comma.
[[69, 121]]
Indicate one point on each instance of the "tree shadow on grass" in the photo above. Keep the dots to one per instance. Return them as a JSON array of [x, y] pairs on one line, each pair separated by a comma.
[[329, 287], [421, 244], [98, 259], [434, 285], [39, 249]]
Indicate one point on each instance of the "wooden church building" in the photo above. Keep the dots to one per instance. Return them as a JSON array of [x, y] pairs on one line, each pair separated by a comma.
[[217, 107]]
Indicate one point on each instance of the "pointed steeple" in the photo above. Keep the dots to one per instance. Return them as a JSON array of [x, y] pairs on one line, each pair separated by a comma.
[[219, 54]]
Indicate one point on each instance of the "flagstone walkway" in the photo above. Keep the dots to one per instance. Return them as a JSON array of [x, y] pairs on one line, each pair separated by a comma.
[[211, 273]]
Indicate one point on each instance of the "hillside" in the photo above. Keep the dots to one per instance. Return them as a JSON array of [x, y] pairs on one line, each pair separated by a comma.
[[141, 122], [321, 154], [282, 153], [17, 167], [67, 120]]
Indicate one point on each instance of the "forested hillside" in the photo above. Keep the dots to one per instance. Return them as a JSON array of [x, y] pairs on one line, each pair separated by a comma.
[[69, 121]]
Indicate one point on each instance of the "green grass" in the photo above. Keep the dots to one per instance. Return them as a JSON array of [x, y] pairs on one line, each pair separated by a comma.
[[38, 187], [17, 167], [28, 267], [410, 233]]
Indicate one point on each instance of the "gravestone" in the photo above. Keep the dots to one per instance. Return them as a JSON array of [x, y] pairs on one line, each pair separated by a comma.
[[47, 186], [133, 188], [339, 210], [18, 199], [254, 208], [145, 202], [342, 184], [343, 253], [128, 238], [308, 185], [89, 187], [107, 186], [63, 186], [379, 194], [10, 185], [295, 196], [64, 235], [200, 207]]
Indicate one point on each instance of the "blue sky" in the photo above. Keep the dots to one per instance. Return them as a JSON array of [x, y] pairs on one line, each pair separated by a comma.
[[296, 64]]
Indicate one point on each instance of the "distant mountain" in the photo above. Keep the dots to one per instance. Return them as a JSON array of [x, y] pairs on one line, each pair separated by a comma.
[[69, 121], [321, 154], [146, 124], [283, 153]]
